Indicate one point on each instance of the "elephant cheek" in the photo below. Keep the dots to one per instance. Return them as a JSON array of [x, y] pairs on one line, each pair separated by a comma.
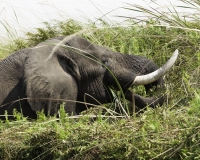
[[124, 79]]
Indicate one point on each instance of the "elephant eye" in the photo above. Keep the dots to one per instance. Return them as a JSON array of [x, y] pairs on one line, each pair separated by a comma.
[[105, 62]]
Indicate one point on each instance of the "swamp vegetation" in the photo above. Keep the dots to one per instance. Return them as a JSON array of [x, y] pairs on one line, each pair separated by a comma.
[[168, 132]]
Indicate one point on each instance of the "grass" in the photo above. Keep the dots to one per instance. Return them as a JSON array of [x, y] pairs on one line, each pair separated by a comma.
[[167, 132]]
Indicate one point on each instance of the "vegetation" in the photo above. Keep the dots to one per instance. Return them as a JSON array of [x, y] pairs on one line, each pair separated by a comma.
[[168, 132]]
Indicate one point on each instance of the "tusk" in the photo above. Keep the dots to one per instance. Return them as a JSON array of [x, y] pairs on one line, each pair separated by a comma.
[[151, 77]]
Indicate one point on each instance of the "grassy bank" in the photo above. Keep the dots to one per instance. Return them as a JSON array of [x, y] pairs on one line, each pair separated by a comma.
[[167, 132]]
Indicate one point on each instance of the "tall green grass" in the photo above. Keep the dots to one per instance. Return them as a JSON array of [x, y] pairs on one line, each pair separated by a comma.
[[168, 132]]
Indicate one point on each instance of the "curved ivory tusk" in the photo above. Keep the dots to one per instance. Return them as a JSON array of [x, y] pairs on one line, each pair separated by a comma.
[[151, 77]]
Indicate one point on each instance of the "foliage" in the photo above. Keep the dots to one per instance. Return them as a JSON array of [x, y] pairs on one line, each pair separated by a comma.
[[60, 28], [156, 134]]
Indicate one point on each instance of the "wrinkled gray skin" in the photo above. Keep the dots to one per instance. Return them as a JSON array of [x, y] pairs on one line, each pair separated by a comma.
[[68, 75]]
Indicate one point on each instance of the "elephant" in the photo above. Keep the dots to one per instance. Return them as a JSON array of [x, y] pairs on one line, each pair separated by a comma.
[[67, 69]]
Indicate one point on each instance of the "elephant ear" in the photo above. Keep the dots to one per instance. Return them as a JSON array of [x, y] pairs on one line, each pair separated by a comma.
[[69, 66]]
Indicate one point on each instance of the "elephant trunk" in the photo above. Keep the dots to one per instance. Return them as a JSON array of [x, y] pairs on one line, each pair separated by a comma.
[[143, 102], [152, 77]]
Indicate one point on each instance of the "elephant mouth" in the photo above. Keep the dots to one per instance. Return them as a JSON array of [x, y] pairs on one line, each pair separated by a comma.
[[152, 77]]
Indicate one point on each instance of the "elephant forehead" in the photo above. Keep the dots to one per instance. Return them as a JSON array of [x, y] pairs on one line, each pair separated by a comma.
[[42, 53], [49, 42]]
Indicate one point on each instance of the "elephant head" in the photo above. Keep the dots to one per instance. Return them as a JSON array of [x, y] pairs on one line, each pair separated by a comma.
[[65, 69], [105, 68]]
